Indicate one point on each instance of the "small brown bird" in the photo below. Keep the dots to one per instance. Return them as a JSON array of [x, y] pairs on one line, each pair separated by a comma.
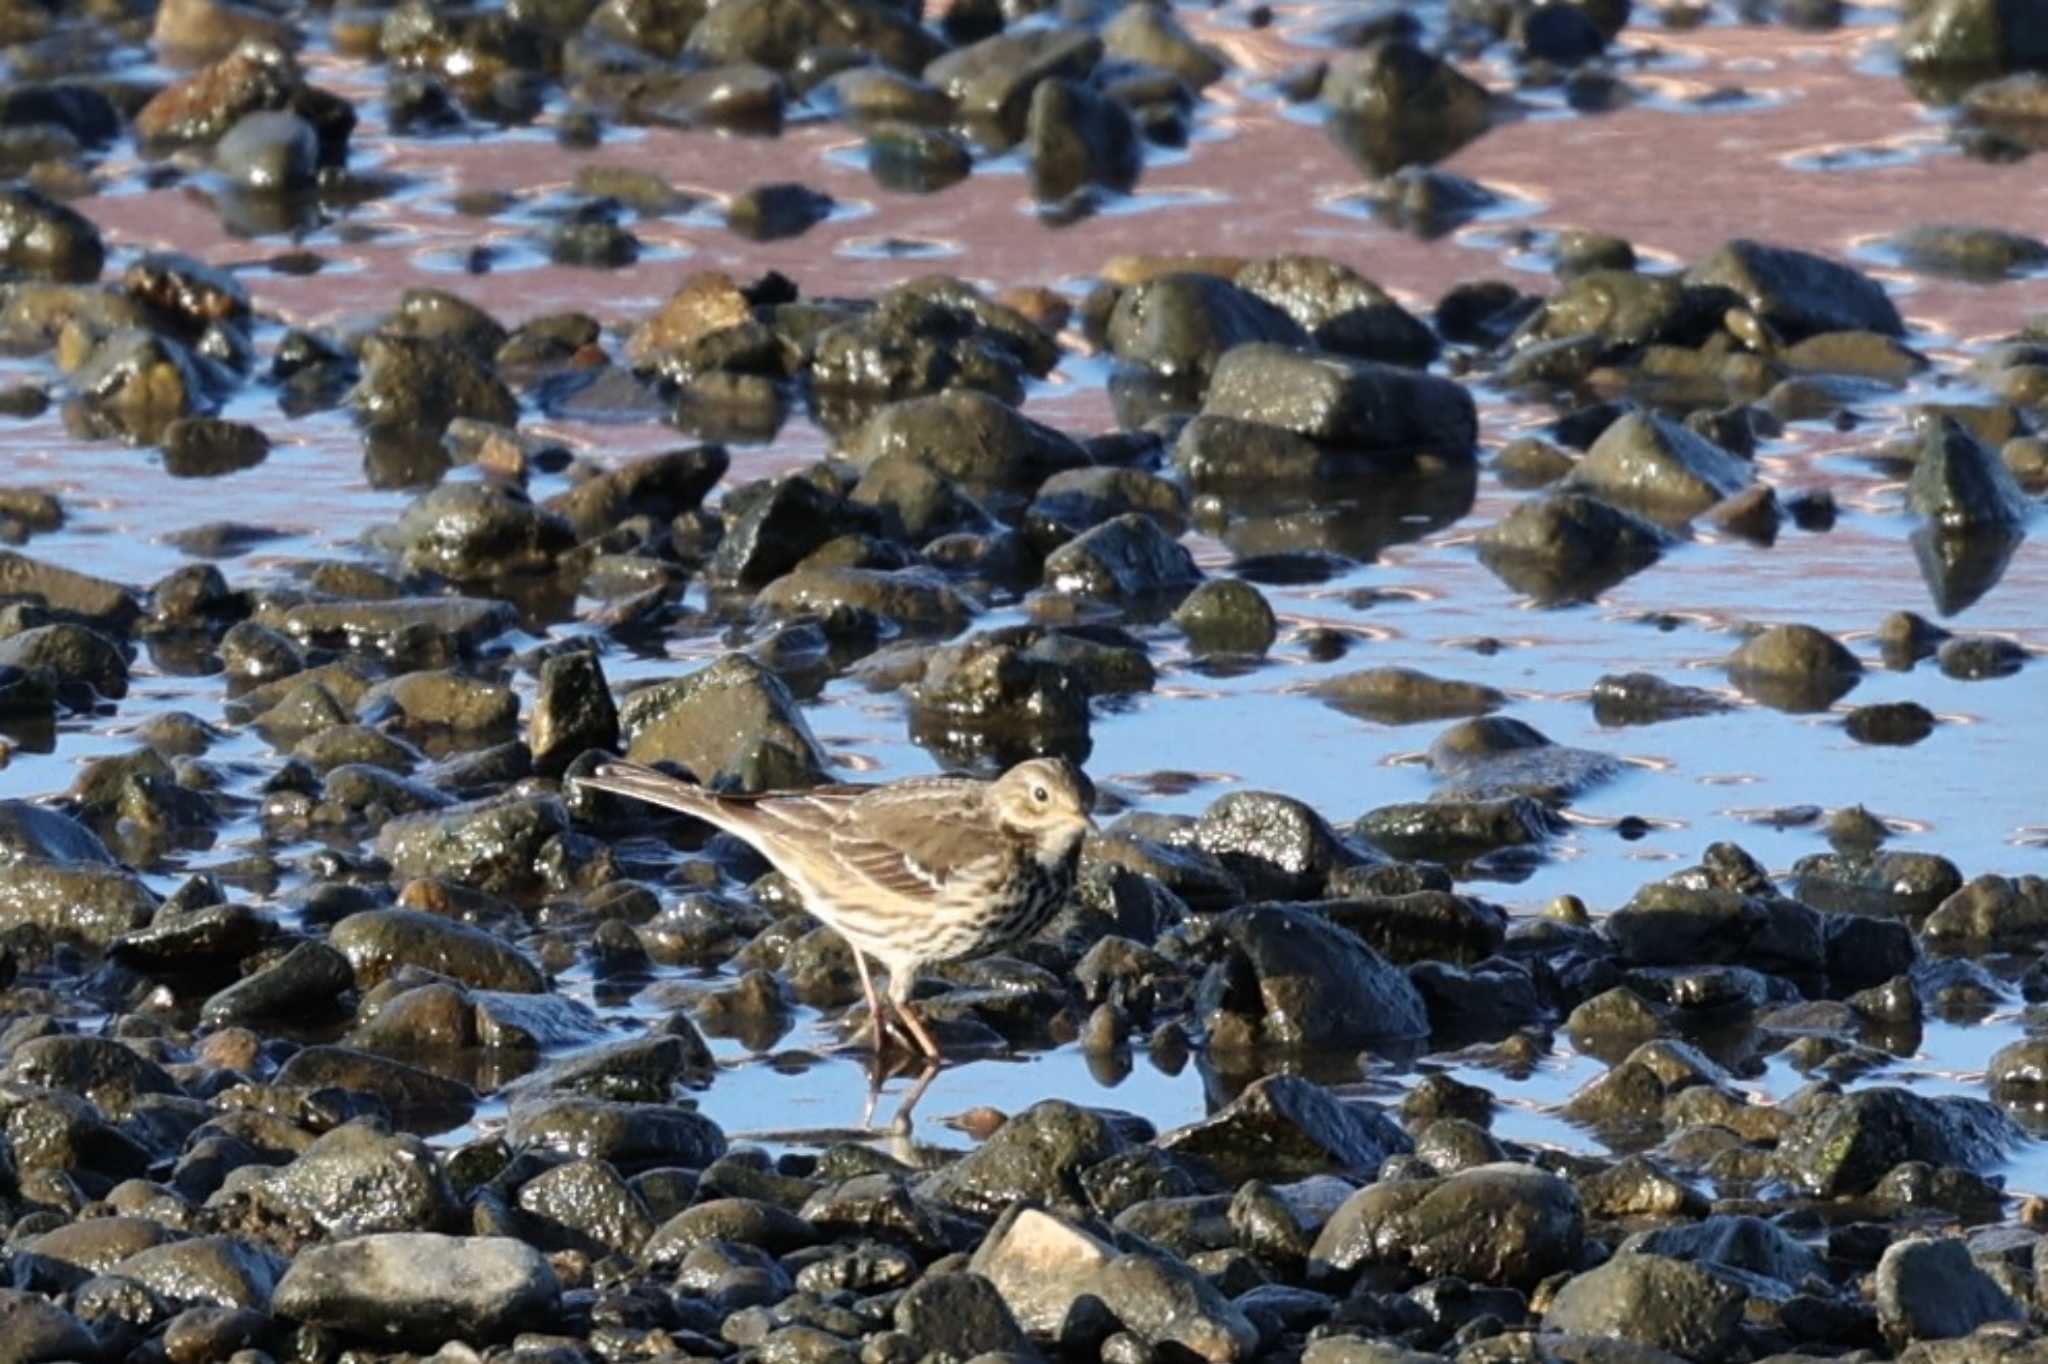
[[922, 870]]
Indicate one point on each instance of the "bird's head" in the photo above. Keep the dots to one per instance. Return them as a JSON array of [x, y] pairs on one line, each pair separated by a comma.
[[1046, 800]]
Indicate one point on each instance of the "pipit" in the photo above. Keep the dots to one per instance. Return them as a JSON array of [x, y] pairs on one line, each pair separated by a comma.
[[924, 870]]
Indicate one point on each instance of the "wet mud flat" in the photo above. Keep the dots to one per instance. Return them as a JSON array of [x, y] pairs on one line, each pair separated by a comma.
[[1523, 513]]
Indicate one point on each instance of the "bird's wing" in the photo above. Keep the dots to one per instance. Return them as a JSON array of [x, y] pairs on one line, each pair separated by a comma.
[[744, 815], [915, 837]]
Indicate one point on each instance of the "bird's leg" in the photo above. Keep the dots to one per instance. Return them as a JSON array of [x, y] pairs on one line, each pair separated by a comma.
[[867, 986], [900, 982], [900, 1124]]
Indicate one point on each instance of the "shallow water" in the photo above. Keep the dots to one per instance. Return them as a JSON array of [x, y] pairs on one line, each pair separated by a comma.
[[1797, 139]]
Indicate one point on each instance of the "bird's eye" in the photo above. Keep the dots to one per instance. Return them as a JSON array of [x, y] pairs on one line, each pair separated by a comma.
[[1040, 794]]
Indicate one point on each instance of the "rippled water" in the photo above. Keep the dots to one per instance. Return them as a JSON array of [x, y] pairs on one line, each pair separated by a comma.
[[1798, 139]]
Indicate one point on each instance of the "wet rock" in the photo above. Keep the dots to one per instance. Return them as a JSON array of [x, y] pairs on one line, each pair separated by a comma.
[[1074, 138], [225, 1271], [776, 529], [1961, 484], [572, 712], [1284, 1127], [1845, 1144], [1976, 657], [466, 532], [1794, 668], [913, 160], [1797, 293], [1897, 723], [1394, 104], [73, 900], [1931, 1289], [1568, 546], [113, 1077], [991, 80], [774, 212], [662, 486], [1662, 1303], [1291, 977], [731, 722], [977, 441], [1974, 37], [379, 942], [1456, 831], [774, 33], [864, 603], [1982, 254], [462, 622], [745, 1220], [1992, 909], [1181, 325], [1496, 1224], [1275, 845], [586, 1206], [408, 1093], [1385, 410], [1650, 464], [1860, 880], [305, 983], [992, 688], [1749, 1245], [1126, 559], [270, 151], [356, 1179], [1038, 1155], [418, 384], [1397, 696], [628, 1136], [36, 1329], [492, 845], [1493, 758], [41, 239], [208, 447], [1227, 616], [958, 1316], [418, 1290]]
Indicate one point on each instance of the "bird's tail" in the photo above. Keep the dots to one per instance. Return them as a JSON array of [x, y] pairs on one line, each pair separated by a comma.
[[656, 788]]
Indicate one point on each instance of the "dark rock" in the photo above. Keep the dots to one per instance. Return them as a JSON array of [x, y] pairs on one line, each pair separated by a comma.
[[1568, 547], [774, 212], [41, 239], [572, 711], [584, 1205], [733, 722], [1179, 326], [380, 942], [468, 531], [1397, 696], [1227, 616], [1646, 699], [225, 1271], [1386, 410], [1126, 559], [305, 983], [270, 152], [958, 1316], [1038, 1155], [1394, 104], [410, 1094], [1284, 1127], [1074, 138], [971, 438], [1656, 466], [1845, 1144], [1797, 293], [1661, 1303], [1960, 484], [356, 1180], [629, 1136], [1980, 254], [1496, 1224], [1931, 1289], [1794, 668]]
